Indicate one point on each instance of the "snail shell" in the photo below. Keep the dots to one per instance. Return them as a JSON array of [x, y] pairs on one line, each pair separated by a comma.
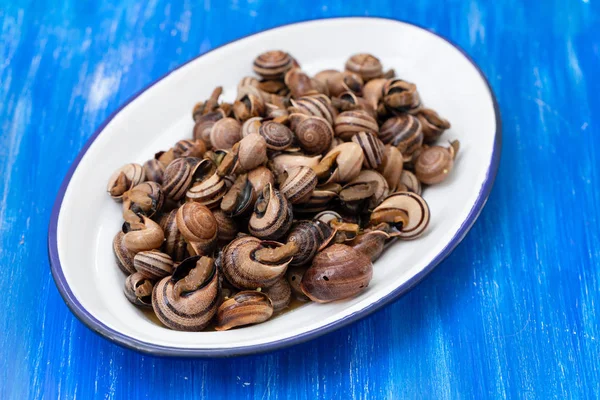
[[273, 64], [178, 177], [338, 272], [404, 132], [123, 256], [251, 126], [365, 65], [284, 162], [138, 290], [434, 164], [280, 294], [240, 197], [275, 112], [410, 182], [198, 226], [308, 239], [314, 135], [208, 191], [154, 170], [316, 105], [277, 136], [342, 164], [272, 216], [175, 245], [320, 200], [153, 264], [248, 81], [372, 148], [380, 188], [248, 106], [392, 166], [373, 91], [433, 125], [406, 205], [274, 86], [228, 228], [252, 152], [189, 148], [400, 96], [225, 133], [245, 308], [299, 83], [260, 177], [348, 123], [338, 82], [299, 185], [204, 125], [250, 263], [147, 198], [124, 179], [187, 301], [294, 277], [143, 235]]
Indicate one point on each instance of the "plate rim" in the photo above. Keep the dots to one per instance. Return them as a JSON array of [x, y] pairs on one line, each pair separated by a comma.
[[161, 350]]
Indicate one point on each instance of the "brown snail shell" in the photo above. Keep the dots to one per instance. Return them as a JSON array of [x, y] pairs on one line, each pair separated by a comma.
[[349, 101], [153, 264], [165, 157], [251, 263], [314, 135], [372, 148], [373, 91], [299, 185], [188, 300], [240, 197], [409, 211], [204, 125], [124, 179], [277, 136], [342, 164], [248, 81], [198, 226], [280, 294], [274, 86], [225, 133], [348, 123], [123, 256], [410, 182], [404, 132], [252, 152], [299, 83], [338, 82], [251, 126], [154, 170], [392, 166], [189, 148], [245, 308], [260, 177], [366, 65], [248, 106], [147, 198], [370, 243], [276, 112], [338, 272], [178, 177], [368, 189], [434, 164], [400, 96], [138, 290], [272, 216], [228, 228], [317, 105], [210, 186], [433, 125], [143, 235], [320, 199], [273, 64], [308, 238], [285, 161], [175, 245]]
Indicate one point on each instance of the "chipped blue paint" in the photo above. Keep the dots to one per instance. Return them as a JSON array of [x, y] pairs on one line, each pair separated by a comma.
[[511, 313]]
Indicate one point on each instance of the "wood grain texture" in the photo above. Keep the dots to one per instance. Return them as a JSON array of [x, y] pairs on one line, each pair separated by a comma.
[[511, 313]]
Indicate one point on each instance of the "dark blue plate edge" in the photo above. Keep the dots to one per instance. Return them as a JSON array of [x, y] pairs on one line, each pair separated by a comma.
[[157, 350]]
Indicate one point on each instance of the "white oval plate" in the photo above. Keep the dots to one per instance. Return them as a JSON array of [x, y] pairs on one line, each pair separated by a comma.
[[85, 219]]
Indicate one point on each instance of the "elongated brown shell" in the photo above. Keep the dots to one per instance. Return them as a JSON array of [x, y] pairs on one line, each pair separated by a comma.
[[277, 136], [372, 149], [188, 300], [308, 238], [174, 245], [348, 123], [314, 135], [273, 64], [337, 273], [299, 185], [198, 226], [317, 105], [280, 294], [244, 270], [245, 308], [225, 133], [434, 165], [414, 206], [123, 256], [366, 65], [153, 264], [272, 216], [147, 236], [124, 179], [138, 290]]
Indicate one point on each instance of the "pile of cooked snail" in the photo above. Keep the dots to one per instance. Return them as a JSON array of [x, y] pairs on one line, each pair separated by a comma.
[[290, 192]]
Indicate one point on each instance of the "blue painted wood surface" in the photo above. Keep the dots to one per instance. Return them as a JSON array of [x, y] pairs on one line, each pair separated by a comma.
[[511, 313]]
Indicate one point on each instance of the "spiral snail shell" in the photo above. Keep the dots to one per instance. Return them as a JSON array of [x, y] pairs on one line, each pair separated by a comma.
[[225, 133], [314, 135], [348, 123], [342, 164], [276, 135], [308, 239], [260, 177], [240, 197], [338, 82], [124, 179], [174, 245], [204, 125], [317, 105], [198, 226], [284, 162], [404, 132], [372, 148], [228, 228], [154, 170], [433, 125], [188, 300], [373, 91], [400, 96], [272, 216], [153, 264], [143, 235], [244, 308], [406, 211], [410, 182], [273, 64], [366, 65], [138, 290], [178, 177], [123, 255], [189, 148], [251, 126], [210, 186], [392, 166], [370, 243], [248, 106], [280, 294], [299, 185], [299, 83], [435, 163]]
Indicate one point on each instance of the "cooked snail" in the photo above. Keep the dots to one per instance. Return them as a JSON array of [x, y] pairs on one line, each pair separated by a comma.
[[225, 133], [123, 255], [143, 234], [272, 216], [245, 308], [174, 245], [342, 164], [153, 264], [138, 290], [314, 135], [433, 125], [276, 135], [124, 179], [365, 65], [406, 211], [299, 185], [349, 123], [273, 64], [198, 226], [435, 163], [280, 294]]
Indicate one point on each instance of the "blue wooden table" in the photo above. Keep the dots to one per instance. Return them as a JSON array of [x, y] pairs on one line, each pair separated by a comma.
[[513, 312]]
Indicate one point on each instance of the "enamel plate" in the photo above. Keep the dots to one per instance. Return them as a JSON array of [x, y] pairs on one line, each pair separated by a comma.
[[81, 232]]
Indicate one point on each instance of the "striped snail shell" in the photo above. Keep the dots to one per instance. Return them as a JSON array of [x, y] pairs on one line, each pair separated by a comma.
[[404, 132], [308, 238], [321, 198], [123, 256], [400, 96], [406, 211], [299, 83], [294, 278], [433, 125], [410, 182], [248, 106], [337, 272], [208, 191], [250, 263], [284, 162], [188, 300], [244, 308], [378, 188], [373, 91], [366, 65], [147, 198], [138, 290], [153, 264], [204, 125], [228, 228], [272, 216], [198, 226], [280, 294], [272, 64], [175, 245], [189, 148], [124, 179], [348, 123], [178, 177], [392, 166], [314, 135], [434, 164], [299, 185], [275, 112], [338, 82], [154, 170], [274, 86], [342, 164], [143, 235], [372, 148], [225, 133], [277, 136], [248, 81], [318, 105], [251, 126]]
